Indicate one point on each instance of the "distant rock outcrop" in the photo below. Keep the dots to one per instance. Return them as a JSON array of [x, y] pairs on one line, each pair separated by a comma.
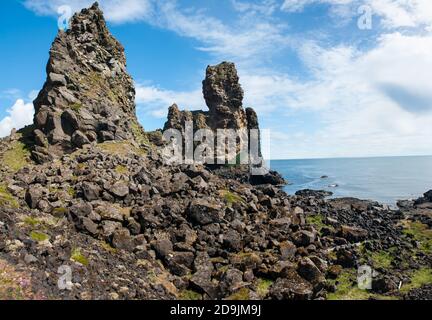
[[224, 98], [88, 95]]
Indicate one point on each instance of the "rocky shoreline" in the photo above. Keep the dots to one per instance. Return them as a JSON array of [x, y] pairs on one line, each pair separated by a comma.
[[85, 189], [131, 228]]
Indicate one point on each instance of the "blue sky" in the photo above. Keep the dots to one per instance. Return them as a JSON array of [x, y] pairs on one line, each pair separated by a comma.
[[323, 84]]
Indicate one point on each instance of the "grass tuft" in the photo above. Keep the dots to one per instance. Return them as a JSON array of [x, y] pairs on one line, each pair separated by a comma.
[[419, 278], [189, 295], [30, 221], [39, 236], [121, 169], [6, 199], [230, 197], [76, 107], [242, 294], [120, 148], [77, 256], [263, 287], [382, 259], [347, 288], [421, 233], [16, 157]]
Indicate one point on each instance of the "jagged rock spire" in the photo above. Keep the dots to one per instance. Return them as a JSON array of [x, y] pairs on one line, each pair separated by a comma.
[[88, 95], [224, 98]]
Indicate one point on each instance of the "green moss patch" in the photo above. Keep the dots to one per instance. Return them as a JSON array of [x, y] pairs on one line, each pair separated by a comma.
[[77, 256], [71, 191], [39, 236], [230, 197], [316, 220], [16, 157], [60, 212], [121, 169], [382, 259], [138, 133], [32, 222], [189, 295], [263, 287], [242, 294], [419, 278], [76, 107], [108, 247], [120, 148], [347, 288], [421, 233], [6, 199]]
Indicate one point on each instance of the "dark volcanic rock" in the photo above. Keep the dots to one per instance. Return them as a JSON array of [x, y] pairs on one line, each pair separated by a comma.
[[314, 193], [304, 238], [427, 197], [88, 95], [353, 234], [308, 270], [384, 284], [32, 197], [224, 98], [423, 293], [292, 287], [203, 212]]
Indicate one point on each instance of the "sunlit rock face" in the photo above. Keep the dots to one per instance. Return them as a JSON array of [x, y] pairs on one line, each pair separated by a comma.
[[88, 95]]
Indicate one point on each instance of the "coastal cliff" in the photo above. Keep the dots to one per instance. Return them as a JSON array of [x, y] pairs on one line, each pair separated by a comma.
[[85, 189]]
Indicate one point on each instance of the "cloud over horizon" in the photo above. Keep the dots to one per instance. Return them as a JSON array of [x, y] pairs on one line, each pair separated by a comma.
[[19, 115]]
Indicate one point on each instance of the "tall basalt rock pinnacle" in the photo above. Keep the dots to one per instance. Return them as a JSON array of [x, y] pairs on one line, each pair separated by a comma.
[[224, 98], [88, 95]]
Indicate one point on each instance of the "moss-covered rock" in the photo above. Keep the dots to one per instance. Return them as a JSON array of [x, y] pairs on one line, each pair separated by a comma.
[[189, 295], [263, 287], [16, 157], [230, 198], [418, 279], [7, 199], [39, 236], [242, 294], [77, 256]]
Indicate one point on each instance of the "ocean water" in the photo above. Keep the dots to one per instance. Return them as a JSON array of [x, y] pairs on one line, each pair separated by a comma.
[[386, 179]]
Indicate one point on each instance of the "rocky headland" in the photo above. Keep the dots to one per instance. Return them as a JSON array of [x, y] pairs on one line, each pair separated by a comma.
[[86, 188]]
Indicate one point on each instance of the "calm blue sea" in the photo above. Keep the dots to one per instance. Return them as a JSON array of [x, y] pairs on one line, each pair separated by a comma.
[[382, 179]]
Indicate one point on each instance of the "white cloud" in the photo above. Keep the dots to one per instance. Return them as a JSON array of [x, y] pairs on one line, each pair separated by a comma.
[[20, 115], [299, 5], [155, 101], [252, 35], [266, 7], [393, 13], [402, 13], [115, 11], [368, 103]]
